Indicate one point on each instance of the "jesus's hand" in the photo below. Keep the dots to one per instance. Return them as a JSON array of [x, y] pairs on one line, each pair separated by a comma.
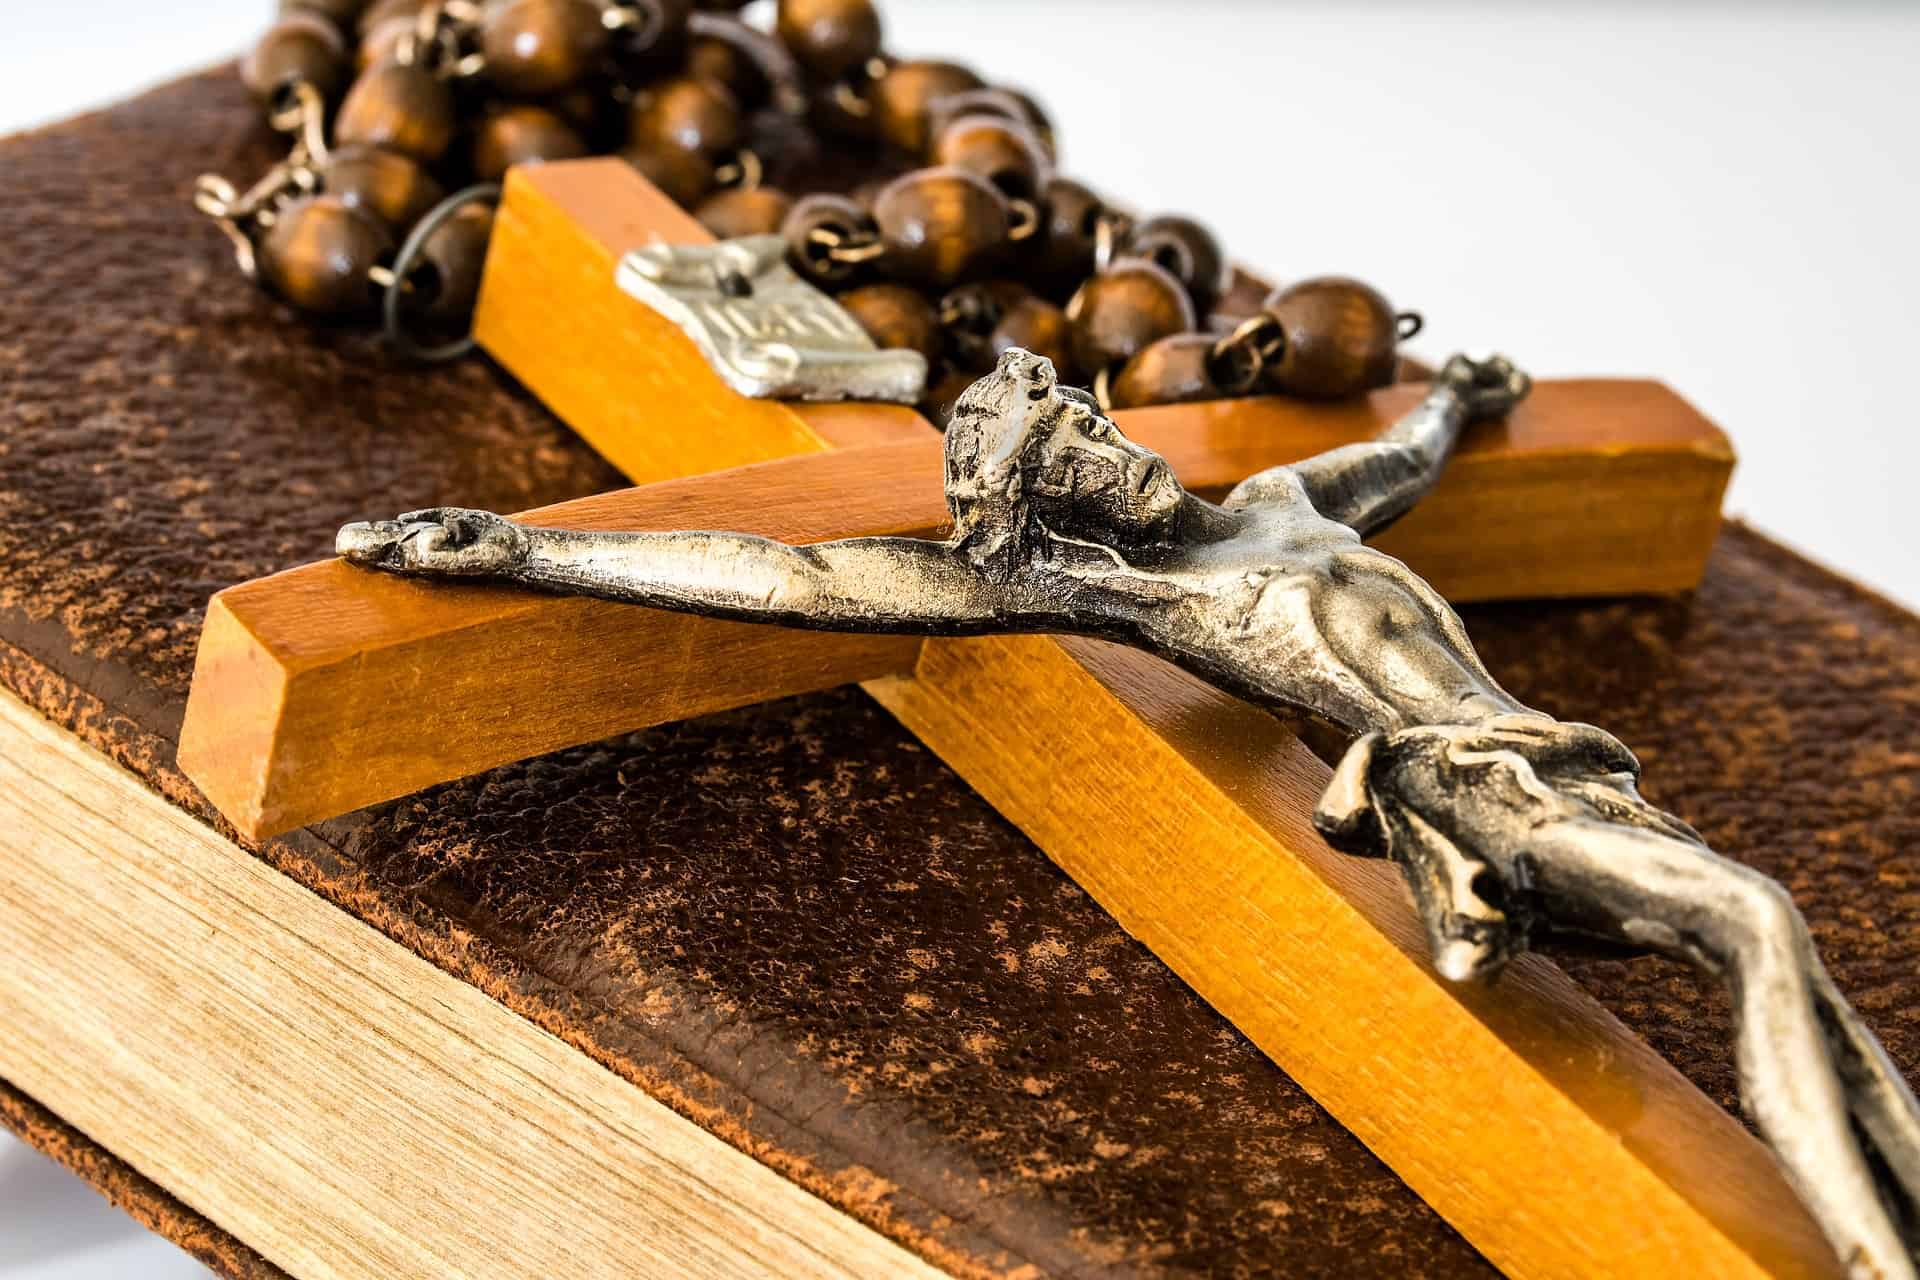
[[441, 540], [1490, 387]]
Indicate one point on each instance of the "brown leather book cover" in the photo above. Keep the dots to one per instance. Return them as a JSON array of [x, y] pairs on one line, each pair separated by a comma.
[[791, 923]]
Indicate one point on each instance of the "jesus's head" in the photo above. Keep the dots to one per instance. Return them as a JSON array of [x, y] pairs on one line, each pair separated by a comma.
[[1026, 457]]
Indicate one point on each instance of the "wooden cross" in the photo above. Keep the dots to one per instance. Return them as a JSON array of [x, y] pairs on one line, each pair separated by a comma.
[[1548, 1134]]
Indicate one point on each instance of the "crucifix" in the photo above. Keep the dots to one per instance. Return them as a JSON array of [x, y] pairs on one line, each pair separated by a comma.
[[1184, 812]]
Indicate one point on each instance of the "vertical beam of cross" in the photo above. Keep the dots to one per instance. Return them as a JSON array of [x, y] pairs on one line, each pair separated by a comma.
[[1182, 811]]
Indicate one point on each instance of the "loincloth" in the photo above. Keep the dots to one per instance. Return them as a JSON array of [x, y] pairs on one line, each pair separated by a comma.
[[1452, 805]]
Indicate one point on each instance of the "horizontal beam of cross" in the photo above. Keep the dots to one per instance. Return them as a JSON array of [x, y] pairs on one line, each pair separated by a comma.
[[327, 688]]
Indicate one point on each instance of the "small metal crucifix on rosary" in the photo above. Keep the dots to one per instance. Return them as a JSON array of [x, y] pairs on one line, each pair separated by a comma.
[[1181, 810]]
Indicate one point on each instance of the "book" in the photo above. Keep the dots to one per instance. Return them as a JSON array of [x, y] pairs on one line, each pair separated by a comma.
[[770, 991]]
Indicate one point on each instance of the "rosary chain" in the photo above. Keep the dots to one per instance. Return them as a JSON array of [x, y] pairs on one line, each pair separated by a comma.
[[1112, 299]]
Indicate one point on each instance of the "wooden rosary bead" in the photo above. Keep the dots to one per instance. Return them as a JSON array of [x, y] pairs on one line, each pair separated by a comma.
[[522, 135], [933, 231], [790, 152], [999, 102], [1188, 251], [381, 43], [941, 226], [1340, 339], [725, 63], [688, 113], [761, 211], [580, 107], [1122, 310], [1037, 118], [538, 47], [895, 316], [840, 218], [317, 254], [999, 150], [1173, 370], [450, 264], [387, 184], [654, 50], [685, 176], [904, 98], [404, 108], [1040, 327], [1062, 253], [829, 38], [300, 47]]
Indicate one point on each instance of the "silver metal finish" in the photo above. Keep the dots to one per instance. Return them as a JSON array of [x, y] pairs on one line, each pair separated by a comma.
[[1507, 824], [766, 331]]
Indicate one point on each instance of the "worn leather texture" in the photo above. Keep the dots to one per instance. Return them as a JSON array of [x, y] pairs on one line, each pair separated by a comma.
[[791, 922]]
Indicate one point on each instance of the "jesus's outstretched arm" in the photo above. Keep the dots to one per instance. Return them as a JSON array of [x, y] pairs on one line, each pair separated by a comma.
[[860, 584], [1368, 486]]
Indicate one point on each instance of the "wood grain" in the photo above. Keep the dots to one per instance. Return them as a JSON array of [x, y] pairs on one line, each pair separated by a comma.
[[1594, 486], [1551, 1136], [252, 1048], [327, 688]]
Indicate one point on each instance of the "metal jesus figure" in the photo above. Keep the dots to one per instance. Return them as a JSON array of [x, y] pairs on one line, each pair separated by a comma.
[[1506, 822]]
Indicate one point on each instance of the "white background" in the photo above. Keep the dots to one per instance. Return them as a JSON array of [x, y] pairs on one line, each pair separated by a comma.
[[1727, 198]]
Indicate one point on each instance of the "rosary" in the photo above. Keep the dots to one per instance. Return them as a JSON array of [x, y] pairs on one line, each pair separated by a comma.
[[925, 200]]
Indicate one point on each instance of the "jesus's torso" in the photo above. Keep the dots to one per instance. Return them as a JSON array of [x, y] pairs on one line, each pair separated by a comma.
[[1293, 609]]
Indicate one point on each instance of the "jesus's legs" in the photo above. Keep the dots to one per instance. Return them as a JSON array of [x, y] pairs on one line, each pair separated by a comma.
[[1801, 1073], [1882, 1103]]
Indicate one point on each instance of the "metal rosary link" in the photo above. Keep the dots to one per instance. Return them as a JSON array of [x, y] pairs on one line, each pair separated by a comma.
[[1239, 358], [849, 94], [850, 247], [1026, 219], [1109, 232], [744, 172], [240, 215], [1103, 389], [644, 22], [444, 40], [303, 114], [398, 280]]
